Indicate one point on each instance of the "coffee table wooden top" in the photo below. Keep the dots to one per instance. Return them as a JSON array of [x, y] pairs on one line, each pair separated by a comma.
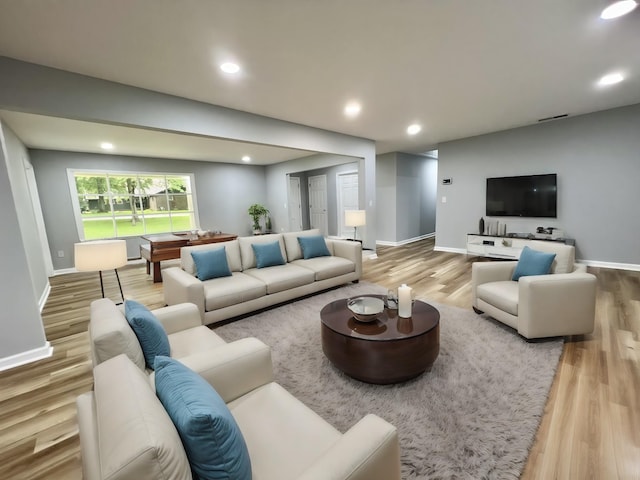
[[388, 326]]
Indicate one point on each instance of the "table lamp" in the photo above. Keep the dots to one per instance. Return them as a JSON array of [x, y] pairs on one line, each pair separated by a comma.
[[101, 255], [355, 219]]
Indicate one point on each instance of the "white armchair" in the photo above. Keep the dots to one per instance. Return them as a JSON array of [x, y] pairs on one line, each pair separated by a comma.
[[560, 303]]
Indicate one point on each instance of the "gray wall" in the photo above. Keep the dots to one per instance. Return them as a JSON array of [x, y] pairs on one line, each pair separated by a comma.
[[406, 191], [223, 193], [597, 159], [20, 321]]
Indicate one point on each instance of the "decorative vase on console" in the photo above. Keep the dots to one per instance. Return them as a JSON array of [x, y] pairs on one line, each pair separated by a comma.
[[481, 225]]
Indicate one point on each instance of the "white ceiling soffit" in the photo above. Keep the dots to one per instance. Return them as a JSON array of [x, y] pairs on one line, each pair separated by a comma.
[[459, 68], [52, 133]]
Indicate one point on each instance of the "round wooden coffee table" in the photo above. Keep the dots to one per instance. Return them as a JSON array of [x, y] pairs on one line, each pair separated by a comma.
[[388, 350]]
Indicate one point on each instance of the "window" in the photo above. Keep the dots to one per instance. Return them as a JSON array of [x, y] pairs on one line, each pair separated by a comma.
[[117, 204]]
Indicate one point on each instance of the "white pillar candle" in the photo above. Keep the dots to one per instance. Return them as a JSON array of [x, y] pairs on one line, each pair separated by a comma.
[[404, 301]]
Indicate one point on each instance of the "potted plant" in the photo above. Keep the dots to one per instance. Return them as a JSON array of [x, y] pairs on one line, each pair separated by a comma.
[[257, 211]]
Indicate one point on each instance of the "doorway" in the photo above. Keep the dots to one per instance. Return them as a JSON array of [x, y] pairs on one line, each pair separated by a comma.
[[318, 203], [347, 189], [295, 205]]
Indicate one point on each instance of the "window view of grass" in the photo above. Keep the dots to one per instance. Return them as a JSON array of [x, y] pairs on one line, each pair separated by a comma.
[[97, 228]]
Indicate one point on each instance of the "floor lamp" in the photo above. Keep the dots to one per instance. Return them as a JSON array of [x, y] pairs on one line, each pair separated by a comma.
[[355, 219], [101, 255]]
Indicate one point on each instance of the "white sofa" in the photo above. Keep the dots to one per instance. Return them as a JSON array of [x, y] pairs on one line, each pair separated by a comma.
[[126, 434], [560, 303], [250, 288]]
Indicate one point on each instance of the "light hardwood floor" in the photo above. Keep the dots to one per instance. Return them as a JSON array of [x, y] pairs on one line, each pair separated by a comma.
[[590, 428]]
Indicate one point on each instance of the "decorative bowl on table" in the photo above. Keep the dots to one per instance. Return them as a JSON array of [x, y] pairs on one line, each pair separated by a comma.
[[365, 309]]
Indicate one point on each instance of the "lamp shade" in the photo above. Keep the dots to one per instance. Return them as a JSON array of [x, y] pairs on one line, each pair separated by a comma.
[[100, 255], [354, 218]]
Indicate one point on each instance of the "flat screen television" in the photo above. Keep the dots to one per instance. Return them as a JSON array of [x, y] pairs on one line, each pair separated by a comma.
[[522, 196]]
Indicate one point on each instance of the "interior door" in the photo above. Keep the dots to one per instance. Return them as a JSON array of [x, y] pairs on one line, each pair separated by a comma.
[[318, 203], [295, 205], [347, 200]]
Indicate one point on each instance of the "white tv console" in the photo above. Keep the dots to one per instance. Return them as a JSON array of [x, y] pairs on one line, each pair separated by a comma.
[[505, 247]]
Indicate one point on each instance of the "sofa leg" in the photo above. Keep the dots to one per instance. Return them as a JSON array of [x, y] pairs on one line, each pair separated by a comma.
[[356, 281], [479, 312]]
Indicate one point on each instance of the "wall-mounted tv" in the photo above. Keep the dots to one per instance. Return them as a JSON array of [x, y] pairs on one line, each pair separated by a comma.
[[523, 196]]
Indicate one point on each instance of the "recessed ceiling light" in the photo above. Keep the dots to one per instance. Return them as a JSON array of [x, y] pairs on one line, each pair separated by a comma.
[[230, 67], [413, 129], [106, 146], [246, 158], [617, 9], [610, 79], [352, 109]]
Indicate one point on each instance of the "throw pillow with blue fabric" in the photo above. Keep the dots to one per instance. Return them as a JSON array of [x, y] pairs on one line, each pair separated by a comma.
[[150, 332], [210, 435], [313, 246], [267, 254], [211, 263], [533, 262]]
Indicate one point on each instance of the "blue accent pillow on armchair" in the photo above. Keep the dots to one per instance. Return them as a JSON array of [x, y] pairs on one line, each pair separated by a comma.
[[210, 435], [211, 263], [150, 332], [533, 262], [267, 254], [313, 246]]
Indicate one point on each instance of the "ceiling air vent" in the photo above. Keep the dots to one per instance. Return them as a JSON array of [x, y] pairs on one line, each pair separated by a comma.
[[556, 117]]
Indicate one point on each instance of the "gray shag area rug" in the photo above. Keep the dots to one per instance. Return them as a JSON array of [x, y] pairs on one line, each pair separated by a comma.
[[474, 415]]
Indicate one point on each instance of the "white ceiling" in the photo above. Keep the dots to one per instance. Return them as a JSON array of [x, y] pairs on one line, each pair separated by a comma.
[[458, 67]]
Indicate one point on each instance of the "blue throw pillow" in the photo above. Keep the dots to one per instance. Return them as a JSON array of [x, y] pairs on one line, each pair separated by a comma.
[[267, 254], [210, 435], [313, 246], [211, 263], [533, 262], [150, 332]]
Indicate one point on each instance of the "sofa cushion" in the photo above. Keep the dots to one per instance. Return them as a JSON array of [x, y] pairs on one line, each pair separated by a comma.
[[211, 438], [227, 291], [283, 435], [502, 295], [211, 263], [267, 254], [246, 249], [292, 245], [313, 246], [111, 334], [193, 340], [150, 332], [282, 277], [327, 267], [565, 255], [136, 436], [232, 250], [533, 262]]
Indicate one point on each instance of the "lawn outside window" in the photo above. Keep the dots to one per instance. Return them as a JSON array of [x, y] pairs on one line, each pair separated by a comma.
[[109, 204]]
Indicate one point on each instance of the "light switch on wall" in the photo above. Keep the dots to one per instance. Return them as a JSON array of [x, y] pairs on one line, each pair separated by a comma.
[[444, 199]]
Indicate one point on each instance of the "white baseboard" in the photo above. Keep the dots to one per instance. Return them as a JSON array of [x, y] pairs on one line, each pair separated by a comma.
[[64, 271], [385, 243], [26, 357], [44, 296], [450, 250], [617, 266]]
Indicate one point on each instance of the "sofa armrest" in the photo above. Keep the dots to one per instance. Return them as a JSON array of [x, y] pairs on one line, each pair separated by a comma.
[[88, 429], [182, 287], [367, 451], [557, 304], [176, 318], [233, 369], [349, 250]]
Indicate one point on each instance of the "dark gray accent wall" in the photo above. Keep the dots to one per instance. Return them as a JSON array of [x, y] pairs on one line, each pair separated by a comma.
[[21, 324], [223, 193], [406, 187], [597, 160]]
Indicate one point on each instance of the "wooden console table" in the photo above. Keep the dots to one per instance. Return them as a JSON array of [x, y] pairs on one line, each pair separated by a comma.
[[166, 246]]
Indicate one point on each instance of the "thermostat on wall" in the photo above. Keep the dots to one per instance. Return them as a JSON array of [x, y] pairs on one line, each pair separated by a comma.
[[447, 181]]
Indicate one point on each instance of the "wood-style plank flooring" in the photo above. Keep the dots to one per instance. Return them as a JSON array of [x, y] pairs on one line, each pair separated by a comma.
[[590, 428]]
